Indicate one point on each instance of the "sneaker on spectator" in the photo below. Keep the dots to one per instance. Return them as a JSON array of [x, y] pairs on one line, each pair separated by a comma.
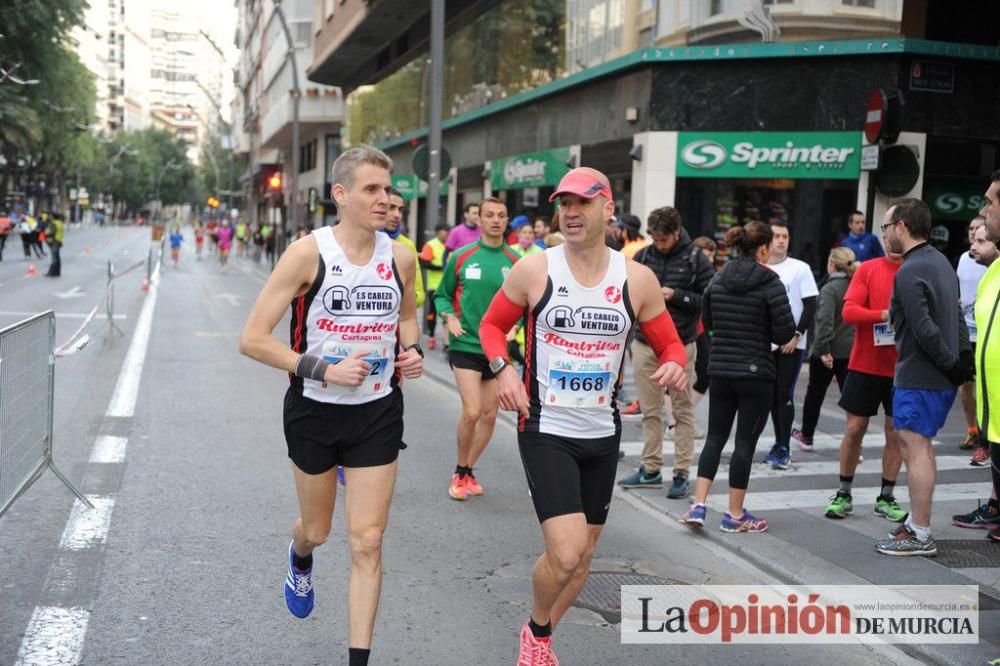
[[745, 523], [805, 443], [905, 543], [679, 488], [985, 517], [694, 516], [632, 409], [642, 480]]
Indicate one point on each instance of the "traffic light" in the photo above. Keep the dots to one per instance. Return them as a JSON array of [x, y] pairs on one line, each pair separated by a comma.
[[274, 182], [213, 202]]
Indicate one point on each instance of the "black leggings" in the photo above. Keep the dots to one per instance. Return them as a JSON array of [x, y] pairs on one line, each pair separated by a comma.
[[746, 400], [820, 377], [430, 318], [701, 364], [787, 367]]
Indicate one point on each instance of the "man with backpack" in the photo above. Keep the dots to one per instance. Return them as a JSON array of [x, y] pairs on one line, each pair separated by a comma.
[[683, 272]]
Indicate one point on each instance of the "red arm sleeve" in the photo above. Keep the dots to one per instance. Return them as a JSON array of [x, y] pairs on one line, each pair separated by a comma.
[[662, 336], [500, 317]]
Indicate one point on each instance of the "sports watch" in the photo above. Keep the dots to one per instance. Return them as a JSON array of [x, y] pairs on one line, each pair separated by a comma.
[[498, 364], [417, 347]]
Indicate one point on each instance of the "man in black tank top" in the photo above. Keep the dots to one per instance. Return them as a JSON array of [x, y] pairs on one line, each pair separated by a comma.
[[363, 438], [571, 478]]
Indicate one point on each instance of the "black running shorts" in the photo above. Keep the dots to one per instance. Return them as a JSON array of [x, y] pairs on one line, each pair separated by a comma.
[[470, 361], [863, 393], [321, 436], [568, 475]]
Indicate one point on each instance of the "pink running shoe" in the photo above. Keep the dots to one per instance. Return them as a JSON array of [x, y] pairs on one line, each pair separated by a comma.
[[457, 489], [535, 651], [472, 486]]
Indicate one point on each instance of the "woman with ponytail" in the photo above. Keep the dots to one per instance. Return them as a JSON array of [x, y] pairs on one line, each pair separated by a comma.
[[831, 342], [745, 309]]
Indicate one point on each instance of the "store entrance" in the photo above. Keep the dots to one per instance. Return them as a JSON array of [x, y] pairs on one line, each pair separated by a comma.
[[815, 210]]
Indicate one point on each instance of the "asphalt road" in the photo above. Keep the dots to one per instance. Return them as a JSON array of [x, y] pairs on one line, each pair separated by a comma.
[[184, 558]]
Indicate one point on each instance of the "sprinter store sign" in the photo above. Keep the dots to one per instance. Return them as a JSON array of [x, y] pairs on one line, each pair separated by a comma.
[[821, 155]]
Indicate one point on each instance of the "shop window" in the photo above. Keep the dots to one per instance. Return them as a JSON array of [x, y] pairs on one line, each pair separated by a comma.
[[870, 4]]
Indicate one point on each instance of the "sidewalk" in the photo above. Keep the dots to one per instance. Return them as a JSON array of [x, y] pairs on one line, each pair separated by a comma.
[[802, 547]]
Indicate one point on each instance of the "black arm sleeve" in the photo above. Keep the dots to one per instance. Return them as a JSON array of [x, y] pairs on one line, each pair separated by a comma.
[[808, 312]]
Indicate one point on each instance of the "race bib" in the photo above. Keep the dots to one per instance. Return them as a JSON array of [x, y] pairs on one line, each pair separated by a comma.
[[378, 357], [972, 331], [884, 334], [578, 382], [473, 273]]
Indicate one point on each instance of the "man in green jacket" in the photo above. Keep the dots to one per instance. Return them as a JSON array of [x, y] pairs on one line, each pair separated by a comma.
[[472, 277]]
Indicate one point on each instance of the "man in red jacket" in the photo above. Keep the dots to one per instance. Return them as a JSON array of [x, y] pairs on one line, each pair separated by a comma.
[[870, 372]]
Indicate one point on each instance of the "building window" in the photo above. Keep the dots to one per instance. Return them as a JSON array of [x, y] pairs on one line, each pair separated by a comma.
[[307, 157], [870, 4], [330, 156], [716, 7], [778, 2]]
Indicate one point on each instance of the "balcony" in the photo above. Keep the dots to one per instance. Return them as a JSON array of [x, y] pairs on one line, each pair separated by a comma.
[[276, 125]]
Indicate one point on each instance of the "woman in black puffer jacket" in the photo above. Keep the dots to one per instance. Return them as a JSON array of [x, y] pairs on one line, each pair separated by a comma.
[[745, 309]]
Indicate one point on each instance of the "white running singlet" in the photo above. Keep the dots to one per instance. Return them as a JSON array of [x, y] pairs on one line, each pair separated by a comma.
[[349, 309], [576, 339]]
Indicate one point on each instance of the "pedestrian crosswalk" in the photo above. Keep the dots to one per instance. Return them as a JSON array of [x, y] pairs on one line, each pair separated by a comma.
[[815, 499], [821, 442], [769, 488]]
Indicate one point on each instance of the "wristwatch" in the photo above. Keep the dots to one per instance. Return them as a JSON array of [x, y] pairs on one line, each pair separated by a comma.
[[416, 346], [498, 364]]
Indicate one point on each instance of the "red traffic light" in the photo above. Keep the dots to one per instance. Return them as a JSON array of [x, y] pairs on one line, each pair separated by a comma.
[[274, 182]]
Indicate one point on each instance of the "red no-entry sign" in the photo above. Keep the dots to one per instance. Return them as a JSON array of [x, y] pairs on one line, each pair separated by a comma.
[[875, 113]]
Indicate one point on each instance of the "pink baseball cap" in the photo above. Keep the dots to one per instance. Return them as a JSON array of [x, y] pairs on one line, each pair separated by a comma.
[[583, 183]]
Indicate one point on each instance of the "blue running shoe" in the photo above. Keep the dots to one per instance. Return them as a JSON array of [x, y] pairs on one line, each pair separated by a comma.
[[299, 595], [781, 457], [695, 516], [745, 523]]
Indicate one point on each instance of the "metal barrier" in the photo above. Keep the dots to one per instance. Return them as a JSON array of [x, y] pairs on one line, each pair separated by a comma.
[[27, 391], [109, 295]]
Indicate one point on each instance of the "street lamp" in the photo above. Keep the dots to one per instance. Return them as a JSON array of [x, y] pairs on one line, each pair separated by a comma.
[[296, 94], [122, 150], [171, 165]]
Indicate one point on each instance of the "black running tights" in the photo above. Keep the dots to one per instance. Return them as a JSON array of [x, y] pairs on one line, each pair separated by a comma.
[[787, 367], [820, 377], [747, 401]]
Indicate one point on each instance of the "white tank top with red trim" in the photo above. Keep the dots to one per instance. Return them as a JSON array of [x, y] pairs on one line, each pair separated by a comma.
[[578, 336], [354, 309]]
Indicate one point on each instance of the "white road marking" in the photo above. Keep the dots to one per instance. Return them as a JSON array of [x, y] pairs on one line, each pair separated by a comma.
[[59, 315], [87, 528], [108, 449], [75, 292], [127, 388], [54, 637], [230, 298], [814, 499]]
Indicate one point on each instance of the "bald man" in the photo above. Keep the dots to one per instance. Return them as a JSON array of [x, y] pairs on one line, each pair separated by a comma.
[[581, 300]]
